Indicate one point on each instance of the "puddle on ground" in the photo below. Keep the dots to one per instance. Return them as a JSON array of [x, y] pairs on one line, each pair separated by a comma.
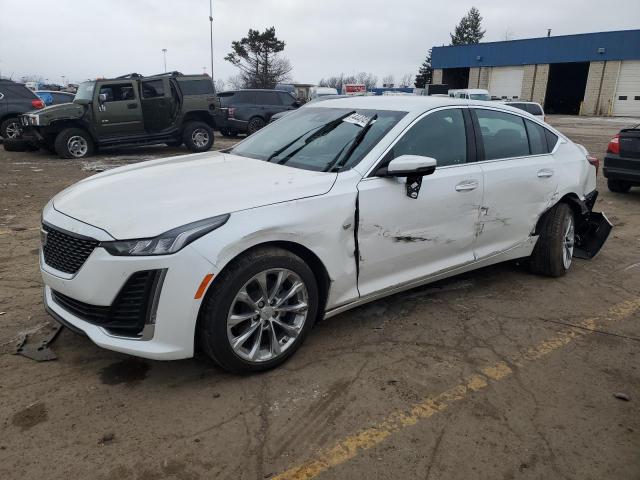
[[129, 371]]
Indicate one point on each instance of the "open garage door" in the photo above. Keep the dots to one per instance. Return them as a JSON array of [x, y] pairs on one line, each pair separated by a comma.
[[506, 82], [627, 101]]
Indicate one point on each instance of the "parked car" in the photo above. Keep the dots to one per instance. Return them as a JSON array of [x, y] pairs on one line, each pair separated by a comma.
[[533, 108], [321, 98], [15, 99], [336, 205], [52, 97], [167, 109], [622, 161], [247, 111], [470, 94], [317, 92]]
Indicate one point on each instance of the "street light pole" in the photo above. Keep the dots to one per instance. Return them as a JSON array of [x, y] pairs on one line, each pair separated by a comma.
[[164, 54], [211, 33]]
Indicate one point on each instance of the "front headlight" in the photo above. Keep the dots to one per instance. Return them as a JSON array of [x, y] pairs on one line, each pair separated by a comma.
[[168, 242]]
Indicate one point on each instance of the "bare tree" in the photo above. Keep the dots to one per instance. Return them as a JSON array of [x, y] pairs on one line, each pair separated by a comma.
[[406, 80], [388, 80], [258, 57], [337, 81], [220, 85], [236, 82]]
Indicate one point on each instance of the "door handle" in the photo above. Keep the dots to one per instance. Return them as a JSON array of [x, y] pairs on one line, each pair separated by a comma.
[[545, 173], [467, 186], [132, 106]]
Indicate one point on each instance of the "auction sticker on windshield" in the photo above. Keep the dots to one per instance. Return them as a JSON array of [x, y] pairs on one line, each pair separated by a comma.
[[357, 119]]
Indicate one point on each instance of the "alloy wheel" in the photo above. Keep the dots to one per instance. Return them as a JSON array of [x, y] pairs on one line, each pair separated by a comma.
[[12, 130], [200, 137], [568, 243], [77, 146], [267, 315]]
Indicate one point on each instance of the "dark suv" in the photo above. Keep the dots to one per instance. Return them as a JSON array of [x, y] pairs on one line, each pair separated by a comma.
[[170, 109], [622, 161], [247, 111], [15, 99]]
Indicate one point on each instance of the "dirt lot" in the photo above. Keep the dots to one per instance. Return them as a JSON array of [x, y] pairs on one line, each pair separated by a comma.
[[498, 374]]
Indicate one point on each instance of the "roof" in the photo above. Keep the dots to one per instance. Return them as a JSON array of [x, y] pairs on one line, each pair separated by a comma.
[[410, 103], [585, 47]]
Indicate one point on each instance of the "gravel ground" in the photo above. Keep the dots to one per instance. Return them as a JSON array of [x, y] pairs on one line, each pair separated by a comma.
[[497, 374]]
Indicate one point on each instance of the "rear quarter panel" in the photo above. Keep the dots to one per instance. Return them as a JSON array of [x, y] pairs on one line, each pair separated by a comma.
[[576, 174]]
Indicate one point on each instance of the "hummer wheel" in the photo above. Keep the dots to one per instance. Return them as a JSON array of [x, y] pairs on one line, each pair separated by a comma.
[[197, 136], [74, 143]]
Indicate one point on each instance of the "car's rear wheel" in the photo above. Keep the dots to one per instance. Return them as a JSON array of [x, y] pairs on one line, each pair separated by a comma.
[[255, 124], [74, 143], [258, 311], [618, 186], [10, 128], [228, 133], [553, 253], [197, 136]]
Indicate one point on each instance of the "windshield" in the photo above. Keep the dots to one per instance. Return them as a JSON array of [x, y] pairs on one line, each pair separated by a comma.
[[85, 91], [319, 139], [479, 96]]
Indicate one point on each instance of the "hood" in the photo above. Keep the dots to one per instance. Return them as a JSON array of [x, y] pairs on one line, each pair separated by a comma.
[[150, 198], [59, 112]]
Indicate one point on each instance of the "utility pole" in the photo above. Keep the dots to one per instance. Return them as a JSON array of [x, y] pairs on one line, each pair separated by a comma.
[[164, 54], [211, 33], [548, 32]]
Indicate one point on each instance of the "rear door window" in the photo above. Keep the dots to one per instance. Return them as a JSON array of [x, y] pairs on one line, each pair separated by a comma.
[[440, 135], [537, 138], [243, 98], [153, 89], [552, 139], [267, 98], [503, 134]]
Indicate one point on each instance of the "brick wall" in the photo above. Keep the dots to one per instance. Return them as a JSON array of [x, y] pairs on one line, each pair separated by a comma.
[[540, 86], [601, 88], [437, 75], [479, 77]]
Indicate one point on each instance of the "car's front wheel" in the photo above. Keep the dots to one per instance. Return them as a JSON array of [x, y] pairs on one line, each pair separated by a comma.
[[618, 186], [197, 136], [258, 311], [553, 253], [74, 143]]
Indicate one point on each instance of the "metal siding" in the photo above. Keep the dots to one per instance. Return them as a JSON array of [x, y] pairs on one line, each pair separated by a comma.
[[628, 86], [622, 45]]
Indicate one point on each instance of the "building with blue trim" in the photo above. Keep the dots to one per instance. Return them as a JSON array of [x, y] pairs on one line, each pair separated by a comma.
[[589, 74]]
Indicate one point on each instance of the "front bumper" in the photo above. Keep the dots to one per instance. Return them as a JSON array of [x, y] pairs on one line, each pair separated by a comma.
[[168, 336]]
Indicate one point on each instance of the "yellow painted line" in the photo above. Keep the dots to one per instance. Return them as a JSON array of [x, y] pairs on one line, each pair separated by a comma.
[[349, 447]]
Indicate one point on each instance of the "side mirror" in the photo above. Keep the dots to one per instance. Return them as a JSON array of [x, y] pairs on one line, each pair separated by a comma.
[[297, 104], [414, 168], [102, 98], [411, 165]]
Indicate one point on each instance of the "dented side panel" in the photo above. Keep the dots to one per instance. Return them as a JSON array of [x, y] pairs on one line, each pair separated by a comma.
[[401, 239]]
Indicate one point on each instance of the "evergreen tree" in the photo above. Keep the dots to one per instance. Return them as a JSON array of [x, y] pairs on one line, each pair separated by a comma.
[[469, 30], [425, 74]]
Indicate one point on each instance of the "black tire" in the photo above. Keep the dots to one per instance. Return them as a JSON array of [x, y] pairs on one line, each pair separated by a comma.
[[212, 321], [17, 145], [228, 133], [190, 136], [548, 255], [65, 146], [255, 124], [618, 186], [8, 127]]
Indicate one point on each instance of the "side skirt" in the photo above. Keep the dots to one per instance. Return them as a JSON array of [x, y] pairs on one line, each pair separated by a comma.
[[519, 251]]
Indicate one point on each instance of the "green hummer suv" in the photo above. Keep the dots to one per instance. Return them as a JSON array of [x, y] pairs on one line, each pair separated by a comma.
[[170, 109]]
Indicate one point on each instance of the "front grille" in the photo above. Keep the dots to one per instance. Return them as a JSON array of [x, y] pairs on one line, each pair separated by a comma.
[[66, 252], [129, 312]]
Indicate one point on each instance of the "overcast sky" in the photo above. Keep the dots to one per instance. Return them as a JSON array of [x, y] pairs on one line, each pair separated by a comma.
[[88, 38]]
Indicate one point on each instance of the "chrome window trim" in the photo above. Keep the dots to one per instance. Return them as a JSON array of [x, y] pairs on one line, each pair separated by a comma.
[[1, 95]]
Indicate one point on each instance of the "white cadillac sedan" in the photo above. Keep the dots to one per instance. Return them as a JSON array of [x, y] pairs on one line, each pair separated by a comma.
[[238, 253]]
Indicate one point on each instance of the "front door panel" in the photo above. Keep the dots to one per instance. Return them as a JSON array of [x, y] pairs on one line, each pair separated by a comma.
[[120, 114], [403, 239]]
